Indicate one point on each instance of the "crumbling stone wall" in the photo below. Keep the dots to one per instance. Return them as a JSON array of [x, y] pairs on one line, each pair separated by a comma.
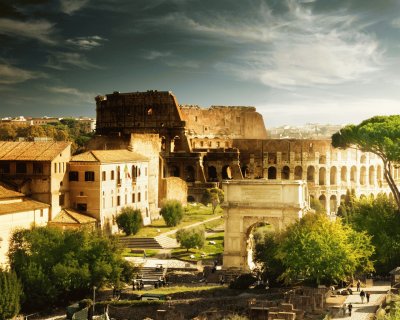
[[173, 188]]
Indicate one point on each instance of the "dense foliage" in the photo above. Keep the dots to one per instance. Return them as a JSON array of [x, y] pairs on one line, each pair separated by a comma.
[[191, 238], [172, 212], [55, 265], [379, 135], [130, 220], [65, 130], [316, 205], [10, 295], [379, 218], [213, 196]]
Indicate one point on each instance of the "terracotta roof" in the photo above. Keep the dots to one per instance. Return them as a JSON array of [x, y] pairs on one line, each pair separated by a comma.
[[25, 205], [39, 151], [68, 216], [109, 156], [7, 193]]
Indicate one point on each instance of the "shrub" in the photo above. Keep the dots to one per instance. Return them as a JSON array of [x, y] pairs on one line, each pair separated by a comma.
[[191, 238], [172, 212], [213, 196], [244, 281], [129, 220]]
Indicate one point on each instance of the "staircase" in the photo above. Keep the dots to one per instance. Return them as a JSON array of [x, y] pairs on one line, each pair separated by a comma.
[[159, 242], [152, 275]]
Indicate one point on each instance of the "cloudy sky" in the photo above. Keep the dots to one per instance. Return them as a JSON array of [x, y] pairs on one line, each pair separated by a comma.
[[296, 61]]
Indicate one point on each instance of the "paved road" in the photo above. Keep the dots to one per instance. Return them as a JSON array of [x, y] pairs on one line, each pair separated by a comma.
[[363, 311]]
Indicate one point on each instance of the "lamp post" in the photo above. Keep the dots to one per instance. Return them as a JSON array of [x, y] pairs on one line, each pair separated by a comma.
[[94, 297]]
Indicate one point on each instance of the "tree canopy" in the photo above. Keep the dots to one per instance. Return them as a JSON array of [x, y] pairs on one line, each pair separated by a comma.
[[172, 212], [10, 295], [55, 265], [323, 251], [213, 196], [379, 135], [129, 220], [191, 238]]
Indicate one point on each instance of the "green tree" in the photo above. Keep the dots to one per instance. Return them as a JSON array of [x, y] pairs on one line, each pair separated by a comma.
[[7, 131], [130, 220], [380, 219], [172, 212], [213, 196], [10, 295], [317, 206], [323, 251], [55, 266], [379, 135], [191, 238]]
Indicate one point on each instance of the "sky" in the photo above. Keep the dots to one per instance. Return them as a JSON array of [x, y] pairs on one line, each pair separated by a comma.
[[296, 61]]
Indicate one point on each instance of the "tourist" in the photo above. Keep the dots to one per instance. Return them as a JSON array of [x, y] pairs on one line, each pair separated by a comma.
[[350, 307], [358, 285], [344, 309], [362, 295], [367, 295]]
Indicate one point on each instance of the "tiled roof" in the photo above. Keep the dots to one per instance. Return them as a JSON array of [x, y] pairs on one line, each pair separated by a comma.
[[25, 205], [39, 151], [68, 216], [109, 156], [7, 193]]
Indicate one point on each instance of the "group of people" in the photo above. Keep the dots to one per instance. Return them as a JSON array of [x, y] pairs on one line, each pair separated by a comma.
[[363, 295]]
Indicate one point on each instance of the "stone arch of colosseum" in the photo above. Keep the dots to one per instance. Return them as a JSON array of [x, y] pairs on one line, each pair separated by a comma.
[[249, 203]]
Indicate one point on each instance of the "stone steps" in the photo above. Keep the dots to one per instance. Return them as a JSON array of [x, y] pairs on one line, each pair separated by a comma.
[[159, 242]]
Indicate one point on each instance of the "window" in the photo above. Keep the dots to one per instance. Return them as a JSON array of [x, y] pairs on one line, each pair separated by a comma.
[[37, 168], [112, 175], [104, 176], [41, 213], [89, 176], [126, 199], [59, 167], [118, 200], [133, 198], [145, 172], [55, 168], [138, 197], [21, 167], [104, 203], [5, 167], [145, 196], [73, 176], [81, 206], [61, 199]]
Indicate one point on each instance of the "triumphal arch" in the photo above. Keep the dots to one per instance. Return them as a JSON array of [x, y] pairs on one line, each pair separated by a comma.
[[249, 203]]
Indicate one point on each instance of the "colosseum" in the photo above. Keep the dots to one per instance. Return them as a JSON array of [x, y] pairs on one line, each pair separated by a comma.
[[204, 146]]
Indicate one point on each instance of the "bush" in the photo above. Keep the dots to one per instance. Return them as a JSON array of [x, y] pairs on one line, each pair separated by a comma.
[[243, 282], [191, 238], [10, 295], [129, 220], [172, 212], [213, 196]]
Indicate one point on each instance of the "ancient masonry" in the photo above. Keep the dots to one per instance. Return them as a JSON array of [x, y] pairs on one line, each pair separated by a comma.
[[204, 146]]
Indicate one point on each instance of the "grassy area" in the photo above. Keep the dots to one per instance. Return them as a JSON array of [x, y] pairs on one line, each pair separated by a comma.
[[193, 213], [180, 289], [127, 252], [209, 251]]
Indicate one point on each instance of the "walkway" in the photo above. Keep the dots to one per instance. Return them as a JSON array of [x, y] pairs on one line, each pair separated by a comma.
[[169, 263], [363, 311], [189, 226]]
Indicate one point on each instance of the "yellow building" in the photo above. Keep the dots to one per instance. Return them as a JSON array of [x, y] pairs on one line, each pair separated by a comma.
[[102, 182], [37, 169], [16, 211]]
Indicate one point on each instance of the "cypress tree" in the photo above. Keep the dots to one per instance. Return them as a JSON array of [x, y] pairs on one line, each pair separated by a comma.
[[10, 295]]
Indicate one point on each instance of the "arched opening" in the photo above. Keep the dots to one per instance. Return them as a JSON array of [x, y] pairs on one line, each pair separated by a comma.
[[343, 174], [322, 159], [226, 172], [212, 174], [372, 196], [256, 235], [363, 176], [245, 171], [333, 176], [362, 196], [174, 171], [363, 159], [176, 144], [190, 174], [271, 173], [322, 199], [285, 173], [342, 198], [191, 199], [298, 173], [134, 173], [371, 175], [379, 174], [163, 143], [353, 174], [333, 204], [322, 176], [310, 174]]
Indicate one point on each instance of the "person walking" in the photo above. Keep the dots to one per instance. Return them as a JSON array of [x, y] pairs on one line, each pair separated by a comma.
[[350, 307], [358, 285], [367, 295], [362, 295]]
